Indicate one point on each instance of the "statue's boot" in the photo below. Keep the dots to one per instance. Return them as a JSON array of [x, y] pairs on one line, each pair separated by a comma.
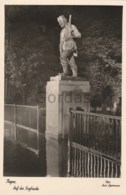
[[63, 74], [65, 70]]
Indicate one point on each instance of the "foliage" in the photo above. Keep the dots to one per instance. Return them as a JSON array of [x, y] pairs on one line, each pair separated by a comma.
[[100, 53], [29, 63], [32, 56]]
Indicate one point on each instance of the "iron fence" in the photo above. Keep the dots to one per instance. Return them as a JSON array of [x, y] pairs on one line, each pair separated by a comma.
[[24, 123], [95, 143]]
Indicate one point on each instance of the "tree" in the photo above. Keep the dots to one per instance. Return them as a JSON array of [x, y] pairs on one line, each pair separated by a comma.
[[100, 54], [32, 56], [28, 63]]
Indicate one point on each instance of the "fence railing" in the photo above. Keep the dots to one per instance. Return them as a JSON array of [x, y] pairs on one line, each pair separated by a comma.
[[90, 163], [97, 131], [95, 138], [24, 123], [32, 117]]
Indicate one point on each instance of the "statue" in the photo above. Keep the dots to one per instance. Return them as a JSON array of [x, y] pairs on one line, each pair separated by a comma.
[[68, 47]]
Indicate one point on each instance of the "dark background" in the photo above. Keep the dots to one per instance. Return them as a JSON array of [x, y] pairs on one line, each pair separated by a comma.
[[32, 50]]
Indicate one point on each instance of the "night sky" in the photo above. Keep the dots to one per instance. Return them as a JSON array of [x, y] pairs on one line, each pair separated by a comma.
[[48, 14]]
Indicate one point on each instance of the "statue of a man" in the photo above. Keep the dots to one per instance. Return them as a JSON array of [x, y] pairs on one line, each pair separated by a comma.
[[68, 47]]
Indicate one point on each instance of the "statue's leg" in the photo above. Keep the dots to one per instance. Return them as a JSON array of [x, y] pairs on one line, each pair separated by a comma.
[[64, 62], [73, 66]]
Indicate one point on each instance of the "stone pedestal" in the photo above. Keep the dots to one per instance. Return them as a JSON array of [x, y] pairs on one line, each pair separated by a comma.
[[62, 94], [57, 157]]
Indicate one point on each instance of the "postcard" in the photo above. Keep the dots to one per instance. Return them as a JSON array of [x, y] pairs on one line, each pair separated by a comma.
[[62, 97]]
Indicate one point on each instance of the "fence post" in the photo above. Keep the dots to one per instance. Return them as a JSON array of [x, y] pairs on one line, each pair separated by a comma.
[[15, 126], [70, 123], [38, 112], [69, 143]]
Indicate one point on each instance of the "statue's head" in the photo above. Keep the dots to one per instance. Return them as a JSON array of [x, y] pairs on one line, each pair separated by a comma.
[[62, 21]]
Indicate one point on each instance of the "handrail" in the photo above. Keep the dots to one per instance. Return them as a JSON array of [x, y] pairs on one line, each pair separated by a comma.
[[24, 106], [95, 114], [9, 104], [81, 147], [20, 105]]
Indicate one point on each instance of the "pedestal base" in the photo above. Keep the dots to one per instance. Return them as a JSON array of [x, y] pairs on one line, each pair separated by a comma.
[[63, 94]]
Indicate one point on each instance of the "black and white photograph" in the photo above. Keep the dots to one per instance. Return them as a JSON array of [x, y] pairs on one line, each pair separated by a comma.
[[62, 92]]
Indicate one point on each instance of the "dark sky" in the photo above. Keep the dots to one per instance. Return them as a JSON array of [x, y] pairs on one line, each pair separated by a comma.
[[48, 14]]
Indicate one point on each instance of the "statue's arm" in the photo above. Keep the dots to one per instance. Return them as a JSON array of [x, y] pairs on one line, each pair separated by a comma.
[[75, 32]]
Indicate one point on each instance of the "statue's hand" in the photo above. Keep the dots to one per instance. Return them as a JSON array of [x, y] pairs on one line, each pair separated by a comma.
[[73, 33]]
